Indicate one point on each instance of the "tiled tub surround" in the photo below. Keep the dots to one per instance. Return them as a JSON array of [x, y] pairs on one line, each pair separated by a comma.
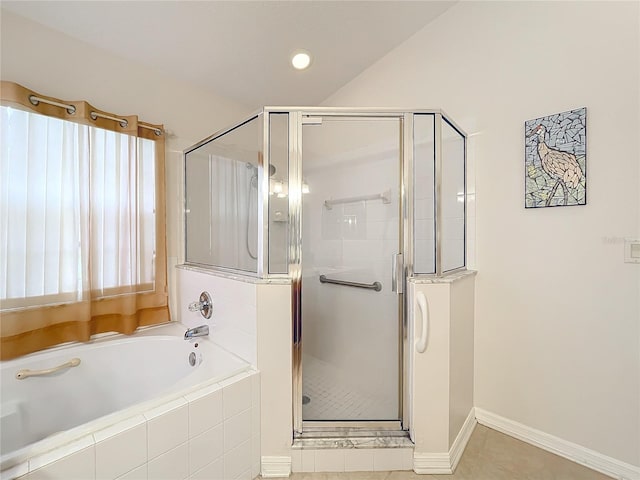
[[235, 298], [205, 426]]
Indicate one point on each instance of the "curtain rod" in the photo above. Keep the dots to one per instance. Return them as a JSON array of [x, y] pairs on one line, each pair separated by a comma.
[[71, 109]]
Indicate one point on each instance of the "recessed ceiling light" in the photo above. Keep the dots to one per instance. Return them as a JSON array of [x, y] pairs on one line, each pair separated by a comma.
[[301, 60]]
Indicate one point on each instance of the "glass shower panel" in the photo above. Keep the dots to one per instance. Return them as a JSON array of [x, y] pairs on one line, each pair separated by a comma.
[[453, 198], [351, 225], [221, 204], [424, 193], [278, 192]]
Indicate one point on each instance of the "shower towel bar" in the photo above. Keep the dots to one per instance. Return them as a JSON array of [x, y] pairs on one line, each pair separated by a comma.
[[377, 286], [384, 196]]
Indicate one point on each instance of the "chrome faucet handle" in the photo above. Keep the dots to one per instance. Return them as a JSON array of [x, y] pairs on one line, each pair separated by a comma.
[[204, 305], [195, 306]]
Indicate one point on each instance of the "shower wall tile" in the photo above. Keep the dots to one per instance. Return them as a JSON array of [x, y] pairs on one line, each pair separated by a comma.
[[331, 223], [235, 340], [233, 322]]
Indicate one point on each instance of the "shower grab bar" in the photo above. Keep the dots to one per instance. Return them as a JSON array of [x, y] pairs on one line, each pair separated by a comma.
[[384, 196], [377, 286], [26, 373]]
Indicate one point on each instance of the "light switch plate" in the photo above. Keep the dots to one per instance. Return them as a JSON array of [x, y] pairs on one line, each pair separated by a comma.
[[632, 250]]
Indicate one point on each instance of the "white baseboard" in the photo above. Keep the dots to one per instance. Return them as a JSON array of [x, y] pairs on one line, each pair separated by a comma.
[[275, 467], [432, 463], [445, 463], [571, 451], [459, 444]]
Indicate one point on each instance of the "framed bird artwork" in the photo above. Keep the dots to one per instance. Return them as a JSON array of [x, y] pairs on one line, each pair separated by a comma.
[[555, 160]]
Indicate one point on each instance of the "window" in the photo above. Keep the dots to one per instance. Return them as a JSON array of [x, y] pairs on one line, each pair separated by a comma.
[[80, 228]]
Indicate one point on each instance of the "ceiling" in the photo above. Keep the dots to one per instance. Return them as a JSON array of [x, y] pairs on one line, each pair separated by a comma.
[[242, 49]]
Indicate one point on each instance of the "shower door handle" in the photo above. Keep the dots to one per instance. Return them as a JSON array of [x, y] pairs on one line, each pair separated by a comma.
[[397, 273]]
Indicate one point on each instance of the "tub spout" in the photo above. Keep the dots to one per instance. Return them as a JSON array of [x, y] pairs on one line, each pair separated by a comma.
[[201, 331]]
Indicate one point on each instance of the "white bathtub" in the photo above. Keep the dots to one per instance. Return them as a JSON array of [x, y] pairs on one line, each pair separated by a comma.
[[121, 380]]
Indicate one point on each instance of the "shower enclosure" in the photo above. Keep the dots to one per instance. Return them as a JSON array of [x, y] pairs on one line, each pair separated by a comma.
[[348, 204]]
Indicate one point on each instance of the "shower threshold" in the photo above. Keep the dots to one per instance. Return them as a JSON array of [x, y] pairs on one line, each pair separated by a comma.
[[375, 434], [372, 439]]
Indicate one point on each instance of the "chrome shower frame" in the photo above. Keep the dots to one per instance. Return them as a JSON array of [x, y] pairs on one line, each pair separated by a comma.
[[296, 120]]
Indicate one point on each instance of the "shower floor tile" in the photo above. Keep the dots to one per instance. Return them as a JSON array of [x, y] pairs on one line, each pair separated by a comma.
[[333, 397]]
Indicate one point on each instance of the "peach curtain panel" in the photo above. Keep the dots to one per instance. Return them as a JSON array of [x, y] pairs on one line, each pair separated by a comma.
[[82, 222]]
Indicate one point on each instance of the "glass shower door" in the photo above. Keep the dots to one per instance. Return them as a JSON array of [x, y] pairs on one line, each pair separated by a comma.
[[351, 317]]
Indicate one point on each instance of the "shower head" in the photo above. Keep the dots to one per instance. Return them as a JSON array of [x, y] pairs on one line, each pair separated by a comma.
[[272, 169], [254, 178]]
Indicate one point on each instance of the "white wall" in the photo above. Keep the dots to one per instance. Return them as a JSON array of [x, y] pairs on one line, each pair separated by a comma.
[[557, 310], [60, 66], [461, 354]]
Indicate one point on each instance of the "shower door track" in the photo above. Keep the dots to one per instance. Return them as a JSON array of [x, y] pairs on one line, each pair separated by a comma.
[[337, 431], [336, 428]]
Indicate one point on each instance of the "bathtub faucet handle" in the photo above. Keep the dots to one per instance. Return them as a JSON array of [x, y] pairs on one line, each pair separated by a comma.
[[204, 305], [201, 331]]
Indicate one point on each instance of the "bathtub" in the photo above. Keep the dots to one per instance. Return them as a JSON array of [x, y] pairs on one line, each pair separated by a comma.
[[126, 388]]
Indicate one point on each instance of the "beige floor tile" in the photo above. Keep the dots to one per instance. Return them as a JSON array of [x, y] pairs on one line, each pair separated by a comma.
[[341, 476], [490, 455], [408, 476]]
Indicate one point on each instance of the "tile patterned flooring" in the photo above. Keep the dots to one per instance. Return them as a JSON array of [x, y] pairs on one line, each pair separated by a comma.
[[489, 455], [333, 397]]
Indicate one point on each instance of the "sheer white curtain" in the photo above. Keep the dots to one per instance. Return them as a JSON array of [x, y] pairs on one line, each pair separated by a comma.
[[234, 209], [40, 214], [77, 216], [122, 207]]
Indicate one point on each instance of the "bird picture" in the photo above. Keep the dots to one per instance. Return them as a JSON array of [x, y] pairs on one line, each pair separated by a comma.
[[555, 158]]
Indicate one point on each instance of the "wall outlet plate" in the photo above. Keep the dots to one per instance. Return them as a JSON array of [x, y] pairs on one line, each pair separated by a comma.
[[632, 250]]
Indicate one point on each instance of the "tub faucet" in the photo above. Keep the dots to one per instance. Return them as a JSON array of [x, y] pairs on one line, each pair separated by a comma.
[[200, 331]]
